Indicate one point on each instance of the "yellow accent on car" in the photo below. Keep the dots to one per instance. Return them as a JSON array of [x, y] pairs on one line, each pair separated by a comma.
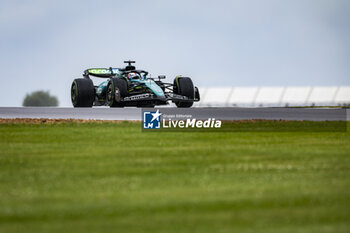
[[177, 79]]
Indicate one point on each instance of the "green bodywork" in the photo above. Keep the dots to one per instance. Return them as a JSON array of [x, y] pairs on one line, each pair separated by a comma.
[[101, 90], [144, 84]]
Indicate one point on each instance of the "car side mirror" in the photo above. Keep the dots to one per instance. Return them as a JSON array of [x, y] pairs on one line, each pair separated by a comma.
[[161, 77]]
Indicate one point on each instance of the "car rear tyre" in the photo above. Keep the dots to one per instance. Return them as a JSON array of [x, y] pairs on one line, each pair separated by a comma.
[[116, 90], [184, 86], [82, 92]]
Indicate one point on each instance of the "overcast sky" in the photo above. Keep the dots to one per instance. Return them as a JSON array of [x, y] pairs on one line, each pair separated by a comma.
[[45, 44]]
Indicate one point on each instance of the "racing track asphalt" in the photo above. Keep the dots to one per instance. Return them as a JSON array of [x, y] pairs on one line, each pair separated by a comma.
[[104, 113]]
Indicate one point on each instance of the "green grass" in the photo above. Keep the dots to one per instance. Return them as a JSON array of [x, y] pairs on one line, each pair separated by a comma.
[[107, 177]]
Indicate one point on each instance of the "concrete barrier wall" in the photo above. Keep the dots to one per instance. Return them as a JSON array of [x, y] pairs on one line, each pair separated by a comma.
[[275, 96]]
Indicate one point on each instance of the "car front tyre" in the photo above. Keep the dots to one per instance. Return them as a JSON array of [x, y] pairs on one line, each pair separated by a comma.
[[184, 86]]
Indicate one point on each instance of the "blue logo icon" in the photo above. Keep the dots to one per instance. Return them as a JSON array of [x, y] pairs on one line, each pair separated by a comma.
[[151, 120]]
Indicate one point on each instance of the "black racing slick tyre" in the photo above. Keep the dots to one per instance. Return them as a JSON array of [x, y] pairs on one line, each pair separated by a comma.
[[196, 94], [184, 86], [116, 90], [82, 93]]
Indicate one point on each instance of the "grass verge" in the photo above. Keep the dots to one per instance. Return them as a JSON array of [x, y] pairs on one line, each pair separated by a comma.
[[111, 177]]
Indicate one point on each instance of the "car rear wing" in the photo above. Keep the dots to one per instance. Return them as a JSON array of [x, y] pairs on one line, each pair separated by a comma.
[[101, 72]]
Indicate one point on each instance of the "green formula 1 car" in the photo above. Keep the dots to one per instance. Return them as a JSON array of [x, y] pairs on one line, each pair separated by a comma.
[[131, 87]]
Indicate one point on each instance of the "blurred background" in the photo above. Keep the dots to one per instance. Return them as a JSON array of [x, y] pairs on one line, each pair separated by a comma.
[[44, 45]]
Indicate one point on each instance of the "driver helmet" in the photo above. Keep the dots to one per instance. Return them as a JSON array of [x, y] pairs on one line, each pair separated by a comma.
[[134, 76]]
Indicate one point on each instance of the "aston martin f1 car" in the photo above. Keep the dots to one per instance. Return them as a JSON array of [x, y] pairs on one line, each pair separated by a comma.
[[131, 87]]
